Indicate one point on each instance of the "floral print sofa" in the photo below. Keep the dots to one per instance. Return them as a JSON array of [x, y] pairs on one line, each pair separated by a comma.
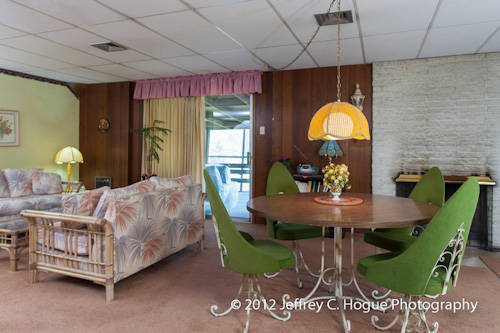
[[28, 189], [107, 235]]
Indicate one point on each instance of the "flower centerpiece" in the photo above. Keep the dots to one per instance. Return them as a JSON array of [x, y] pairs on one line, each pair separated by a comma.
[[336, 177]]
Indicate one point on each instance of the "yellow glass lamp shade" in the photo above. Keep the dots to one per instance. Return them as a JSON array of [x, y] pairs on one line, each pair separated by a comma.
[[339, 121], [69, 155]]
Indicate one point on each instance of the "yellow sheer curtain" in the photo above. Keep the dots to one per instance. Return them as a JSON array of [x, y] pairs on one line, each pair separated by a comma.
[[184, 148]]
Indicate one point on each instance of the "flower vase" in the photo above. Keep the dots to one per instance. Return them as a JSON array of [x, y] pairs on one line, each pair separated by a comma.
[[336, 192]]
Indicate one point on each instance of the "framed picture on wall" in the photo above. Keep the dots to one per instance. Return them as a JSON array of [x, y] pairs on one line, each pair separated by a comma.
[[9, 128]]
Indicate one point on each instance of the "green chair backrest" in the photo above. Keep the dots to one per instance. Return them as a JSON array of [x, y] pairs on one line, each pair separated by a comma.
[[237, 254], [279, 180], [411, 270], [430, 188]]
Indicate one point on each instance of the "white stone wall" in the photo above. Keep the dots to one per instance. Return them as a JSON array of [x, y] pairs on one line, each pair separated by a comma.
[[441, 112]]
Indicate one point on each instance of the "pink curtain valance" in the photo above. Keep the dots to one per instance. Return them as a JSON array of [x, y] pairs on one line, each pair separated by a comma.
[[200, 85]]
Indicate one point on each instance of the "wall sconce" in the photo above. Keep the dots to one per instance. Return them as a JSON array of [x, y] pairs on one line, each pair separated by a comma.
[[358, 98]]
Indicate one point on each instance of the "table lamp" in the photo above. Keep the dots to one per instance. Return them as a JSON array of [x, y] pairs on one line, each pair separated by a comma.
[[69, 155]]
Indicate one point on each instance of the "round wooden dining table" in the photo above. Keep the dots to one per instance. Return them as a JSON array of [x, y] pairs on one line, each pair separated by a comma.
[[376, 211]]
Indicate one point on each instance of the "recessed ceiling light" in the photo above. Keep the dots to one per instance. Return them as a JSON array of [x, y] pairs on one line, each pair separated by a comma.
[[110, 47], [331, 18]]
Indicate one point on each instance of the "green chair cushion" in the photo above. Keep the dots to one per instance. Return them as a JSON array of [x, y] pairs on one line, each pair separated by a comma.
[[434, 287], [279, 252], [292, 231], [390, 241], [365, 262]]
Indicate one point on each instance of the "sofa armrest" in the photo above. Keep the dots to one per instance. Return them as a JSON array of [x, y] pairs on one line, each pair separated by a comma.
[[32, 215], [97, 264]]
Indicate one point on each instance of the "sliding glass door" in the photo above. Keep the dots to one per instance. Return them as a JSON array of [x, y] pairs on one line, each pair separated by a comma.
[[228, 150]]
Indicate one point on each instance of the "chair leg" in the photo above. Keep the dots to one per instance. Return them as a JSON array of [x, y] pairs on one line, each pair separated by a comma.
[[254, 292], [110, 292], [406, 314], [418, 316], [296, 257]]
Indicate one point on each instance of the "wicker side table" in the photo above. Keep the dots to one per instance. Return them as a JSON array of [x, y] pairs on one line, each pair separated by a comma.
[[14, 238]]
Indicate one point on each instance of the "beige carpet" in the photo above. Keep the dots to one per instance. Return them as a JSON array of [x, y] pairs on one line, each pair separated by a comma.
[[175, 295], [492, 263]]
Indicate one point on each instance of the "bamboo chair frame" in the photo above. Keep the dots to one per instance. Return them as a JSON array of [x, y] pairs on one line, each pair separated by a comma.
[[96, 266]]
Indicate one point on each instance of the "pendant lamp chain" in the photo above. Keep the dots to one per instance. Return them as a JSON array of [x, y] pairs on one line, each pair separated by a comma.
[[338, 51]]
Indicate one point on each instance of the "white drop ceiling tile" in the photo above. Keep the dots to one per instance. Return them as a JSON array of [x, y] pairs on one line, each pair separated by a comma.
[[201, 36], [196, 64], [30, 59], [158, 68], [14, 66], [239, 60], [249, 22], [26, 19], [299, 14], [6, 32], [461, 12], [493, 45], [132, 35], [280, 56], [82, 40], [213, 3], [91, 75], [77, 12], [61, 76], [325, 53], [398, 46], [134, 8], [391, 16], [50, 49], [456, 40], [122, 71]]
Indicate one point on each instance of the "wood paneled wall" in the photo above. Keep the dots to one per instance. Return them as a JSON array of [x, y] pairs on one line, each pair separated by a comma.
[[288, 101], [116, 153]]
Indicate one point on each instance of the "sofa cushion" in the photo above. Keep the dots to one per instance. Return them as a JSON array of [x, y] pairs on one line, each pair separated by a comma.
[[225, 173], [82, 203], [19, 181], [4, 187], [214, 173], [166, 183], [80, 241], [13, 206], [140, 187], [46, 183]]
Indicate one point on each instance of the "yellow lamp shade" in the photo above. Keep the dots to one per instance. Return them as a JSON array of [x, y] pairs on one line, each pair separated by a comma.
[[339, 121], [69, 155]]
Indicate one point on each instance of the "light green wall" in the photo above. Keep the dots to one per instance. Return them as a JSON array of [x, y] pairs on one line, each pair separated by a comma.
[[48, 121]]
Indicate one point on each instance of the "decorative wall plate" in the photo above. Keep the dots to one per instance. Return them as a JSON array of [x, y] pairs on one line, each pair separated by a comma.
[[103, 125]]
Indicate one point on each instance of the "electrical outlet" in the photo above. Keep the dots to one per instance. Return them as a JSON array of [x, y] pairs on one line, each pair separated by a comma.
[[262, 130]]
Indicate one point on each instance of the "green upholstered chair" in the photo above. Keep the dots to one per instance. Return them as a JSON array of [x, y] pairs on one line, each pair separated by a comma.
[[431, 264], [280, 181], [429, 189], [242, 254]]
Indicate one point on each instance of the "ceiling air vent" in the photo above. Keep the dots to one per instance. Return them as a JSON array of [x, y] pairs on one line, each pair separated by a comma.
[[331, 18], [110, 47]]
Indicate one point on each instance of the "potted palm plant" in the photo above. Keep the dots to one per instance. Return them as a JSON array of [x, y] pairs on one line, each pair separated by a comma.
[[153, 140]]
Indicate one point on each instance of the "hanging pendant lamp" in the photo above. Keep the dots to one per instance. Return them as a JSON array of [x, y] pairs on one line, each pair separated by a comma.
[[338, 120]]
